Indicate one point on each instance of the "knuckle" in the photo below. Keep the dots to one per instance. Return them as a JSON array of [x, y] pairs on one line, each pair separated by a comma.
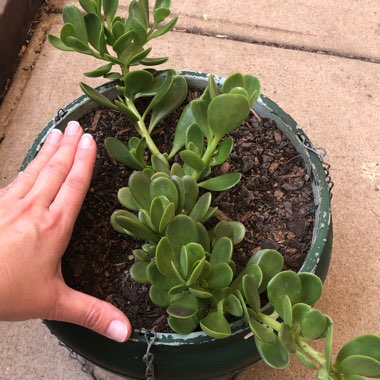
[[30, 174], [58, 167], [93, 319], [75, 182]]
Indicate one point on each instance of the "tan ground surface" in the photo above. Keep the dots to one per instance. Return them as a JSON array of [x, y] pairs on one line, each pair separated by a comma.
[[334, 97]]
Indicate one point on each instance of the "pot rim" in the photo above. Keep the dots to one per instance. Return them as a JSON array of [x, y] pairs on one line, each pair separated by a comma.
[[313, 162]]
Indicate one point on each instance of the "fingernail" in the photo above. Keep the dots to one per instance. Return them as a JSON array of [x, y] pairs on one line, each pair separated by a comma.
[[85, 141], [72, 128], [118, 331], [54, 136]]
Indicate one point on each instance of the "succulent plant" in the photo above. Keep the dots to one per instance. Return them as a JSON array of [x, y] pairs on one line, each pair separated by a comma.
[[190, 268]]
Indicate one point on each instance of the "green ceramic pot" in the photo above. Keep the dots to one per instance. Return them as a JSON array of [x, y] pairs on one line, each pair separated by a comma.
[[195, 356]]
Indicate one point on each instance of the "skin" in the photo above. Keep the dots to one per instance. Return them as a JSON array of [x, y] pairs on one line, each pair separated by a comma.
[[37, 214]]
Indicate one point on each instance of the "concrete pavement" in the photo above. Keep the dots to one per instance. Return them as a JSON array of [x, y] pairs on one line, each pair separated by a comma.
[[334, 98]]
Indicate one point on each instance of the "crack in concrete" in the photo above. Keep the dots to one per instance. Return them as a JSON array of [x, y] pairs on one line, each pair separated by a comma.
[[238, 38]]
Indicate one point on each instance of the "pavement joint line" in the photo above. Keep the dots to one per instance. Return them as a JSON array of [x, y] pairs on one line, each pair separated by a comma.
[[237, 38]]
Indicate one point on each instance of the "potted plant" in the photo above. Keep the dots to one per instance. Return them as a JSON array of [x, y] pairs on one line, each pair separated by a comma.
[[186, 257]]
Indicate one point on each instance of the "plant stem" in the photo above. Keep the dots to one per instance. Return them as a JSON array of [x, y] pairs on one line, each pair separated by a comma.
[[207, 155], [141, 129], [310, 351], [269, 321]]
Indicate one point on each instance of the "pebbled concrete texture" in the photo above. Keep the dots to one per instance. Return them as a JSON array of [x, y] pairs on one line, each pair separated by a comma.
[[334, 99]]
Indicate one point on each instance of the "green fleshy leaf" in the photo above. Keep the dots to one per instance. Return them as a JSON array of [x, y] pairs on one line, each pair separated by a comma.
[[125, 197], [185, 121], [160, 32], [222, 182], [115, 76], [88, 6], [178, 182], [261, 331], [250, 289], [99, 72], [137, 81], [299, 311], [140, 150], [226, 112], [194, 135], [72, 15], [250, 269], [199, 109], [177, 170], [275, 355], [58, 43], [185, 307], [172, 99], [287, 339], [97, 96], [211, 211], [123, 42], [164, 257], [313, 324], [141, 255], [360, 365], [216, 325], [120, 152], [365, 345], [287, 311], [78, 45], [233, 306], [311, 288], [137, 228], [118, 29], [183, 325], [197, 271], [238, 231], [199, 292], [222, 251], [329, 342], [203, 237], [239, 91], [67, 31], [253, 87], [181, 231], [139, 183], [271, 262], [95, 32], [116, 226], [160, 14], [157, 279], [220, 276], [192, 159], [282, 284], [157, 208], [191, 193], [153, 61], [160, 163], [167, 217], [178, 289], [223, 152], [110, 8], [140, 32], [163, 86], [304, 360], [138, 272], [190, 254], [165, 187], [212, 86], [234, 80], [159, 297], [201, 207], [135, 60]]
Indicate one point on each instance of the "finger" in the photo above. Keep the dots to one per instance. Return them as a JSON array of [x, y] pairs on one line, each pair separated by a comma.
[[53, 175], [92, 313], [70, 197], [26, 179]]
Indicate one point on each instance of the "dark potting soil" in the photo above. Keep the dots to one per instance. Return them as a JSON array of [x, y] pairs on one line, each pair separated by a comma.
[[273, 201]]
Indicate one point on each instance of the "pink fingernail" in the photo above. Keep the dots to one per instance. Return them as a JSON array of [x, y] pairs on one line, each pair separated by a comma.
[[54, 136], [118, 331], [72, 128], [86, 141]]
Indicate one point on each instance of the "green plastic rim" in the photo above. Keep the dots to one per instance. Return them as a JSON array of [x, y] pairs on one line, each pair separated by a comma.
[[317, 260]]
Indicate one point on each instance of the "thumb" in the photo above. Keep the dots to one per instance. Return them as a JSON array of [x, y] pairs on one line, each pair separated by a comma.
[[87, 311]]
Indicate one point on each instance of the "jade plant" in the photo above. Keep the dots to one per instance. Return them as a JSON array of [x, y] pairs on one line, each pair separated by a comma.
[[185, 256]]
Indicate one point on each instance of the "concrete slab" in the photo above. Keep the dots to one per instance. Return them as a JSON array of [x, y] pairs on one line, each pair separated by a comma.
[[346, 28], [333, 99]]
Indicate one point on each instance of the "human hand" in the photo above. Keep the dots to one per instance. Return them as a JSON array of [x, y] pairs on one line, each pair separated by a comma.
[[37, 214]]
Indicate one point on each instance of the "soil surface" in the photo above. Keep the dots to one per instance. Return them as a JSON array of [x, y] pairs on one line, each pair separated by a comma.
[[274, 200]]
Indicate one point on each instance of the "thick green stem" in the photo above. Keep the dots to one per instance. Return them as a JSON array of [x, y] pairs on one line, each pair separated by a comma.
[[269, 321], [142, 130], [208, 155], [310, 351]]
